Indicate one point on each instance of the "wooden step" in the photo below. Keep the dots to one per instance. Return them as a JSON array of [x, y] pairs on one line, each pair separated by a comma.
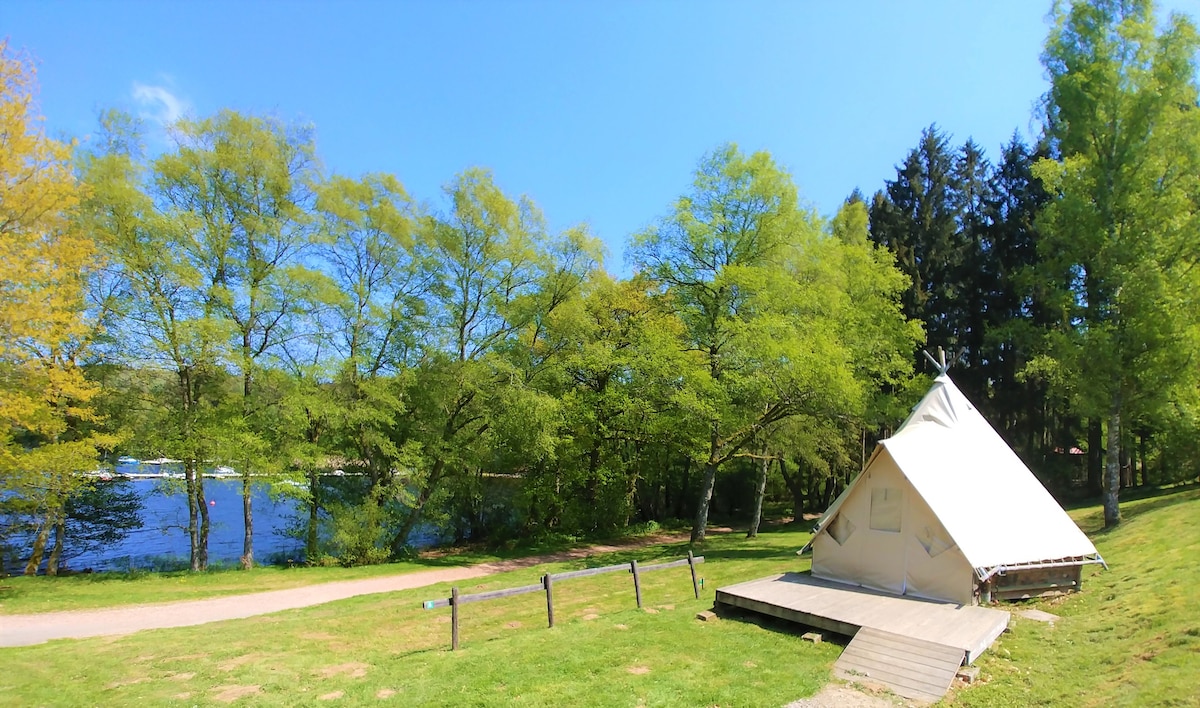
[[912, 668]]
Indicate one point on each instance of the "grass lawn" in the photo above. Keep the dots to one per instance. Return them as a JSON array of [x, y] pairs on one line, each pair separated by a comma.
[[1132, 637], [23, 595], [603, 652]]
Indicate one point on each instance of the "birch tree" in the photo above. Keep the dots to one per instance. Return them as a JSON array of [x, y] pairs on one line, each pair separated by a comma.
[[1121, 115]]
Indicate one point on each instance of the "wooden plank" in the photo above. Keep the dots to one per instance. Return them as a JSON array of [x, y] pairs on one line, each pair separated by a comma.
[[672, 564], [901, 643], [800, 597], [929, 694], [692, 566], [899, 664], [935, 652], [497, 594], [454, 618], [591, 571], [923, 651], [812, 620], [914, 655], [910, 668], [900, 685], [637, 582]]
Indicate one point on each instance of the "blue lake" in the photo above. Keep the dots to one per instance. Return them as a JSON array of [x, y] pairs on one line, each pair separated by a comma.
[[162, 542], [164, 526]]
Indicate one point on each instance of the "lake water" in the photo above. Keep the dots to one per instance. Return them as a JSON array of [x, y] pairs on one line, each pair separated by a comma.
[[163, 535], [162, 542]]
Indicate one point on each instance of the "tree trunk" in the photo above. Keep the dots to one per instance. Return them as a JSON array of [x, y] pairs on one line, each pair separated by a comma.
[[60, 535], [1095, 455], [248, 517], [1142, 458], [205, 525], [1126, 465], [314, 509], [1112, 467], [796, 485], [681, 494], [39, 546], [827, 495], [759, 492], [193, 500], [414, 516], [700, 526], [247, 503]]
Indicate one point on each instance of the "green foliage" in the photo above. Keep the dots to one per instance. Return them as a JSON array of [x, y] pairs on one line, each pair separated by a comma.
[[469, 368], [1120, 231], [768, 305]]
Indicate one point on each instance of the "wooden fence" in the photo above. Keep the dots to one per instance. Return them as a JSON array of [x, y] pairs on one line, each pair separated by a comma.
[[547, 586]]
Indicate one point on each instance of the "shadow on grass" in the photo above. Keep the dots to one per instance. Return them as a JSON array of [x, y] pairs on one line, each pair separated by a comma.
[[1133, 494], [779, 625], [1162, 499]]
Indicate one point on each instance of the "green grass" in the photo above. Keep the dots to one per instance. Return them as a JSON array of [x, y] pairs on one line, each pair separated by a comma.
[[21, 595], [24, 595], [1132, 637], [602, 652]]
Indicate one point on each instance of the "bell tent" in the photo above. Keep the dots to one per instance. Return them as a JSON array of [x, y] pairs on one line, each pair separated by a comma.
[[945, 510]]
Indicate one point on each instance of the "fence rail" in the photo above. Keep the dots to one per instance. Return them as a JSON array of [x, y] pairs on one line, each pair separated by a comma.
[[547, 586]]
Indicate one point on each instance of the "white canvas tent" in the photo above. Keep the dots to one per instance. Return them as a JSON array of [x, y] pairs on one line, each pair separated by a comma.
[[943, 507]]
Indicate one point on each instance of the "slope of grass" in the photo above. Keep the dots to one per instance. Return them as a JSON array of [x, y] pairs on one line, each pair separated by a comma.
[[1132, 637], [602, 652]]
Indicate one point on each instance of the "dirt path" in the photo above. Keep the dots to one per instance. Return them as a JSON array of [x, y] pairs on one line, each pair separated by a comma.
[[23, 630]]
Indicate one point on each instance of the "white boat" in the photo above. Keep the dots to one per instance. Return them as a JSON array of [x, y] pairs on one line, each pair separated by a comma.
[[161, 461], [127, 460]]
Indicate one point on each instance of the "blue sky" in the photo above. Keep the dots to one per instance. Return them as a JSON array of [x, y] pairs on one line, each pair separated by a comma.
[[598, 111]]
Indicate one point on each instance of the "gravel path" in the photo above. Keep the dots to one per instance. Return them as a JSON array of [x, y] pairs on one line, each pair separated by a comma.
[[836, 695], [23, 630]]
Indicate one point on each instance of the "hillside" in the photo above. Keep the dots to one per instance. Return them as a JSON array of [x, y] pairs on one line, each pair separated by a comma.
[[1132, 637]]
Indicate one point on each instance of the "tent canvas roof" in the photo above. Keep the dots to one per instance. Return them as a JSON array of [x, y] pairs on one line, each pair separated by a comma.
[[989, 502]]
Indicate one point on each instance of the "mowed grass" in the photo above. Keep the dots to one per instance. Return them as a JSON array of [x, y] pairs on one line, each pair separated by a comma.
[[27, 595], [385, 648], [23, 595], [1131, 638]]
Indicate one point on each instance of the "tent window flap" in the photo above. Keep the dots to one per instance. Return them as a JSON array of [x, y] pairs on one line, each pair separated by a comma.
[[841, 528]]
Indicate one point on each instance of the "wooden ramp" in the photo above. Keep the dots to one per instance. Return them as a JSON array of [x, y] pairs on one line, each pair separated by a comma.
[[836, 607], [912, 668]]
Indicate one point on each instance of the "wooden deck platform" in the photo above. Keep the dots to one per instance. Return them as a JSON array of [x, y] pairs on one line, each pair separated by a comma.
[[836, 607], [911, 668]]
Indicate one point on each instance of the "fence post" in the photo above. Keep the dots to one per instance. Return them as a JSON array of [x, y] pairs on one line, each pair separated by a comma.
[[548, 581], [454, 618], [637, 583], [692, 565]]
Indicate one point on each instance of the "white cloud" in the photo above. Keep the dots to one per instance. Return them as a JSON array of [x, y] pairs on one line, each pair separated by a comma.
[[158, 104]]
